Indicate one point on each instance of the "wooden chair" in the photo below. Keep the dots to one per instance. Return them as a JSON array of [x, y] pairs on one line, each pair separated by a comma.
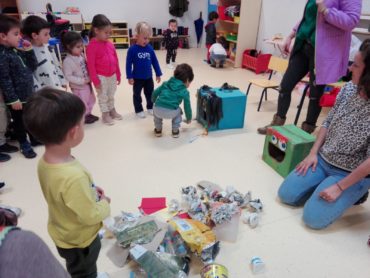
[[276, 64]]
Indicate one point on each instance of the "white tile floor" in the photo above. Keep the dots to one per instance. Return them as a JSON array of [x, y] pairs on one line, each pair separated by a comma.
[[129, 162]]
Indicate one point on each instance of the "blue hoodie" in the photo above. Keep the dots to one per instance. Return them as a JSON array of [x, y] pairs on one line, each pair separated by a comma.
[[139, 62]]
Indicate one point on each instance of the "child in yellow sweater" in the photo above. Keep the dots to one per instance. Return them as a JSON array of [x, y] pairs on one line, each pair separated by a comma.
[[76, 206]]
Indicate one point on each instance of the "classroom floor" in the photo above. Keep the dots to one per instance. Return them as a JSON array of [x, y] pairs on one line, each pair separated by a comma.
[[130, 163]]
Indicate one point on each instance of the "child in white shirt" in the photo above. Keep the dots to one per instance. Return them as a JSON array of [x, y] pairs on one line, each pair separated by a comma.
[[48, 71], [218, 53]]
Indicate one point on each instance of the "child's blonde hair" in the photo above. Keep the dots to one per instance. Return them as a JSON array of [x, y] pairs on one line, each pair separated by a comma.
[[144, 28]]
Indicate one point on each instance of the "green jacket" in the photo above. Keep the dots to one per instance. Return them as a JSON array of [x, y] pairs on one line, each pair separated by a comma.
[[170, 95]]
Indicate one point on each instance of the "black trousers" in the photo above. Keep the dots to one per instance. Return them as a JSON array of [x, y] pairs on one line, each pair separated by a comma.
[[18, 126], [148, 86], [171, 54], [81, 262], [301, 63]]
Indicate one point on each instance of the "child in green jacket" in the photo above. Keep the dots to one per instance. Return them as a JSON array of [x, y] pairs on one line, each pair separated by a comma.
[[168, 97]]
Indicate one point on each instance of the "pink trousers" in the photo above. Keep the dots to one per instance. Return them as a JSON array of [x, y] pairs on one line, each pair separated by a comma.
[[87, 96]]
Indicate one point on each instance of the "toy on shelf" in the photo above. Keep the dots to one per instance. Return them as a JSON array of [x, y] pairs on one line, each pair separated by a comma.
[[285, 147]]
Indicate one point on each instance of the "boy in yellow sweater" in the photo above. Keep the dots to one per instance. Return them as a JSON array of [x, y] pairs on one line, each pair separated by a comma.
[[76, 206]]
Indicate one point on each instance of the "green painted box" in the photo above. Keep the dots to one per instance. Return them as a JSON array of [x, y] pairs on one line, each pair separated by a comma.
[[286, 146]]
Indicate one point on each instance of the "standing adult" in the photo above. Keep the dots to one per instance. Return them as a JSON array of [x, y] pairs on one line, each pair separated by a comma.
[[321, 48]]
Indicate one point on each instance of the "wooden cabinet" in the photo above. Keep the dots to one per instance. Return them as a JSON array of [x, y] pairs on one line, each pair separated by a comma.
[[241, 32], [9, 7], [120, 34]]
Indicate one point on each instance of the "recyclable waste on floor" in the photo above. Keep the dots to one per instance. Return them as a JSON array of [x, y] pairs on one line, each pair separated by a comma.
[[163, 238]]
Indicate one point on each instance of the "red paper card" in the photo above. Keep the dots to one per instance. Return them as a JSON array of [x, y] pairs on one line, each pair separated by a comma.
[[152, 205]]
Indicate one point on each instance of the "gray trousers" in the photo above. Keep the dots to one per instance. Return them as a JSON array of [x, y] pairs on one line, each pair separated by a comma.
[[161, 113], [216, 58], [3, 120]]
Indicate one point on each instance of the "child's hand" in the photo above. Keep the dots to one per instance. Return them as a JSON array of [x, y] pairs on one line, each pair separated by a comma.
[[131, 81], [17, 106], [158, 79], [98, 89], [100, 191], [118, 82], [65, 87]]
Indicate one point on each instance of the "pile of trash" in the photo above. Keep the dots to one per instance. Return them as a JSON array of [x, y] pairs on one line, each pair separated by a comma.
[[163, 238]]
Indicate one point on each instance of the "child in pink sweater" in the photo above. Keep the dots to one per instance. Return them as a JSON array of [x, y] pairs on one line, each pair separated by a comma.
[[103, 66], [75, 71]]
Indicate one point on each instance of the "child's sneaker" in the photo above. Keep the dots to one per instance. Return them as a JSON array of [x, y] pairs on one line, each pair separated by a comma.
[[170, 66], [89, 120], [4, 157], [115, 115], [16, 211], [141, 115], [6, 148], [107, 119], [27, 150], [157, 133], [176, 133], [150, 112]]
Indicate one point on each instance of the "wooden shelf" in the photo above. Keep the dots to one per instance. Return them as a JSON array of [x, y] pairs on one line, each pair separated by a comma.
[[234, 41], [120, 31], [362, 31], [229, 21]]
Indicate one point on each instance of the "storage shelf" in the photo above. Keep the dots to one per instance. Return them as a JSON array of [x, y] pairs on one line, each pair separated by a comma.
[[229, 21], [118, 36], [234, 41], [362, 31], [120, 31], [365, 17]]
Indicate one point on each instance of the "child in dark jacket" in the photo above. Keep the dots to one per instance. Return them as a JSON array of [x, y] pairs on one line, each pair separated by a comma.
[[16, 79], [211, 32], [168, 97], [140, 59], [171, 42]]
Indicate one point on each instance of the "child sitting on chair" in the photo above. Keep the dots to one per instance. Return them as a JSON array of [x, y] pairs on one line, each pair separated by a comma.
[[168, 97]]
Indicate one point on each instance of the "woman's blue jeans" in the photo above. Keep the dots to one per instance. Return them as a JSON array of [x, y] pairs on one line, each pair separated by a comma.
[[317, 213]]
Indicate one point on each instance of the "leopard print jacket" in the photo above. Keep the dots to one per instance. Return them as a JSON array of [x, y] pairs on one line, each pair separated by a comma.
[[347, 143]]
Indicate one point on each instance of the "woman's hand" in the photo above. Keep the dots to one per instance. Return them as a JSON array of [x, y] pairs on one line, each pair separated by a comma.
[[310, 161], [331, 193], [286, 45], [321, 7]]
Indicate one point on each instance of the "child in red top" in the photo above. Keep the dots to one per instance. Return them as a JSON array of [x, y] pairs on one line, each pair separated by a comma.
[[103, 67]]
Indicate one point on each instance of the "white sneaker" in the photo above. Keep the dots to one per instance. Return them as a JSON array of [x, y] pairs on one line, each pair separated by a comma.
[[173, 64], [141, 115], [102, 275], [16, 211], [170, 66], [150, 112]]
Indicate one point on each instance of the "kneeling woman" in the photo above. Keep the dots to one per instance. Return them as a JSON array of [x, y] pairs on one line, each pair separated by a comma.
[[336, 173]]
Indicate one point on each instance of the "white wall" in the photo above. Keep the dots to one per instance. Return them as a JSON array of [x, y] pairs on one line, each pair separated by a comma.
[[278, 17], [154, 12]]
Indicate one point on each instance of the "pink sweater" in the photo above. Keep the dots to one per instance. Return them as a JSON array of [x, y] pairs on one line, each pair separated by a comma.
[[102, 60]]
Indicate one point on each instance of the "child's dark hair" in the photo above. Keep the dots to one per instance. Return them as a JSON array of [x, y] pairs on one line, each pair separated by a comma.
[[33, 24], [7, 23], [172, 21], [222, 40], [70, 39], [212, 16], [99, 21], [50, 113], [184, 72]]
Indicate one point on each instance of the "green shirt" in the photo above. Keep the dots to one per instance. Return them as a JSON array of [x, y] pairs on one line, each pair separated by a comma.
[[307, 28], [170, 95]]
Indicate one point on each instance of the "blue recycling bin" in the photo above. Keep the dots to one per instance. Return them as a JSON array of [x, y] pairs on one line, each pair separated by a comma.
[[233, 108]]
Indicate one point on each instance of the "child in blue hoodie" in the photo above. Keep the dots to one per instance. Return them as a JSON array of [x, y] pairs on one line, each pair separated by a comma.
[[140, 59], [168, 97]]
